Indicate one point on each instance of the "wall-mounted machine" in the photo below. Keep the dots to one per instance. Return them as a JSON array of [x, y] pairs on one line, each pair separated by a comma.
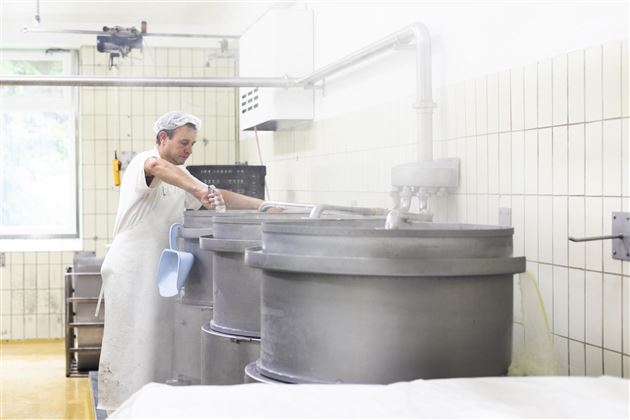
[[278, 45]]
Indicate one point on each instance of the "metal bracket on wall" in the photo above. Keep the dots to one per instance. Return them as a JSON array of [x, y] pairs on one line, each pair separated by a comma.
[[505, 216], [620, 236], [2, 259]]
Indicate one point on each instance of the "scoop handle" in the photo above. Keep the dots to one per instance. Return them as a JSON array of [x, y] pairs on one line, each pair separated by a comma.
[[174, 231]]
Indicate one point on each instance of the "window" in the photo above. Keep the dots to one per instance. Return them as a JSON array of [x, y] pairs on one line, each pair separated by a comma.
[[38, 155]]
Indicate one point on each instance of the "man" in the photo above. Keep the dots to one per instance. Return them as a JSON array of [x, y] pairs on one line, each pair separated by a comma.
[[137, 340]]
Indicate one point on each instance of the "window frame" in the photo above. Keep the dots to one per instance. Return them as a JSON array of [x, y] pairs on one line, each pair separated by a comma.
[[52, 241]]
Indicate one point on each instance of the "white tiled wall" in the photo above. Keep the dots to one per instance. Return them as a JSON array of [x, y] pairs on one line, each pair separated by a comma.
[[548, 140], [31, 293]]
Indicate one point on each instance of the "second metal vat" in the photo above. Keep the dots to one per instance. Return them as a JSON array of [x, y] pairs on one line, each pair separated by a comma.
[[349, 301]]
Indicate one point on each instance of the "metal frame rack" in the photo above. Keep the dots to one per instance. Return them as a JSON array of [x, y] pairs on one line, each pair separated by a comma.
[[81, 357]]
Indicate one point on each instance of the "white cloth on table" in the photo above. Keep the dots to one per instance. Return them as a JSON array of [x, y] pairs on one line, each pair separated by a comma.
[[496, 397]]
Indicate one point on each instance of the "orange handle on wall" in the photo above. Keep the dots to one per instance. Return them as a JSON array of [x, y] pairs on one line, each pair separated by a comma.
[[116, 166]]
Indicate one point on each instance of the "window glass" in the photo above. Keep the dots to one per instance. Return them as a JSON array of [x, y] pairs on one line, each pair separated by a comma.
[[32, 68], [38, 183]]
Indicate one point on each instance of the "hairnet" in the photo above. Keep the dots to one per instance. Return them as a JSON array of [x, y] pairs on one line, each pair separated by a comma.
[[172, 120]]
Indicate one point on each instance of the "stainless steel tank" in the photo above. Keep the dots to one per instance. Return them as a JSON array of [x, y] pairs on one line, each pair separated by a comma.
[[231, 340], [187, 342], [237, 285], [198, 287], [225, 356], [351, 302], [194, 306]]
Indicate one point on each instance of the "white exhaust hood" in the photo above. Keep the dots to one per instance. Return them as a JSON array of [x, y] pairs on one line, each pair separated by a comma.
[[280, 44]]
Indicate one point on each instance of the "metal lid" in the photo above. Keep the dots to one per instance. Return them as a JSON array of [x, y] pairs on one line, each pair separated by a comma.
[[375, 227], [258, 218], [207, 328], [372, 266], [233, 331], [210, 243], [203, 218], [194, 232]]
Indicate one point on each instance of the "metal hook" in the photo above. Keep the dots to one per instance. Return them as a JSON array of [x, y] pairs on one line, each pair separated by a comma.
[[620, 235], [595, 238]]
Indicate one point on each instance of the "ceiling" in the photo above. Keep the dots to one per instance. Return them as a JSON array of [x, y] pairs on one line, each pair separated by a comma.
[[128, 11], [208, 17]]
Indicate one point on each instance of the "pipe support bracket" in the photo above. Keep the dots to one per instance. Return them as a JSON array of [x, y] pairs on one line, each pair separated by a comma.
[[620, 236]]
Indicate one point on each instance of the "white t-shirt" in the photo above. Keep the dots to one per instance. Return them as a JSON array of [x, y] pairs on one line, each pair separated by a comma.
[[137, 199]]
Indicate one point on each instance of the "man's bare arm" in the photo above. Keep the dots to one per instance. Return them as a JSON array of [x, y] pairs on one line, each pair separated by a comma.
[[173, 175], [237, 201]]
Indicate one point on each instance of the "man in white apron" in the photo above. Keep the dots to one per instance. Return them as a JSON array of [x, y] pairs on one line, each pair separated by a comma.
[[155, 190]]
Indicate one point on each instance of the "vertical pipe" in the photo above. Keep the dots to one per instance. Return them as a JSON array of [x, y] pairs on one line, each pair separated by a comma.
[[424, 102], [237, 111]]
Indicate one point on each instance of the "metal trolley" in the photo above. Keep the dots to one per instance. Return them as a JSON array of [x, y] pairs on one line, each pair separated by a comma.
[[84, 330]]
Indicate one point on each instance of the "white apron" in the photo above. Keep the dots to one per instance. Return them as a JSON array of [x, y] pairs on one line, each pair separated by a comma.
[[138, 336]]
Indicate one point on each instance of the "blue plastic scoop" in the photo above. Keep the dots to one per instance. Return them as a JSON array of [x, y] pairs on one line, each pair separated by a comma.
[[174, 266]]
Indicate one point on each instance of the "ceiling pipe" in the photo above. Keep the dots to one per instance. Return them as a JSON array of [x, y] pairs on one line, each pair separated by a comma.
[[84, 81], [89, 32], [417, 32]]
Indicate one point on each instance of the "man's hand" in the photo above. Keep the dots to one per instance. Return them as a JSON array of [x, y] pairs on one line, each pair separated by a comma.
[[216, 199], [202, 194]]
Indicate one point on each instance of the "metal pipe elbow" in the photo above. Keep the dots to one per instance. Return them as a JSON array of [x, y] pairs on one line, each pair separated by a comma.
[[420, 32]]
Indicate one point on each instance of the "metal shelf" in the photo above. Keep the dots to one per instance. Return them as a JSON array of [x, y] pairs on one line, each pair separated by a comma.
[[80, 349], [72, 274], [86, 324], [82, 299], [76, 366], [73, 371]]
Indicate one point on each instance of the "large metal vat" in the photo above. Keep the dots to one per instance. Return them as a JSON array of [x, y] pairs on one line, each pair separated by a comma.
[[194, 306], [187, 342], [198, 287], [351, 302], [231, 340], [236, 285], [225, 356]]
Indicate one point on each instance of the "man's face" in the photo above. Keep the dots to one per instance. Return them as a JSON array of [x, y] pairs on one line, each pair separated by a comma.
[[177, 149]]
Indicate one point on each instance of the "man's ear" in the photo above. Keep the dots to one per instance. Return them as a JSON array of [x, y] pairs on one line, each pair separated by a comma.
[[163, 136]]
